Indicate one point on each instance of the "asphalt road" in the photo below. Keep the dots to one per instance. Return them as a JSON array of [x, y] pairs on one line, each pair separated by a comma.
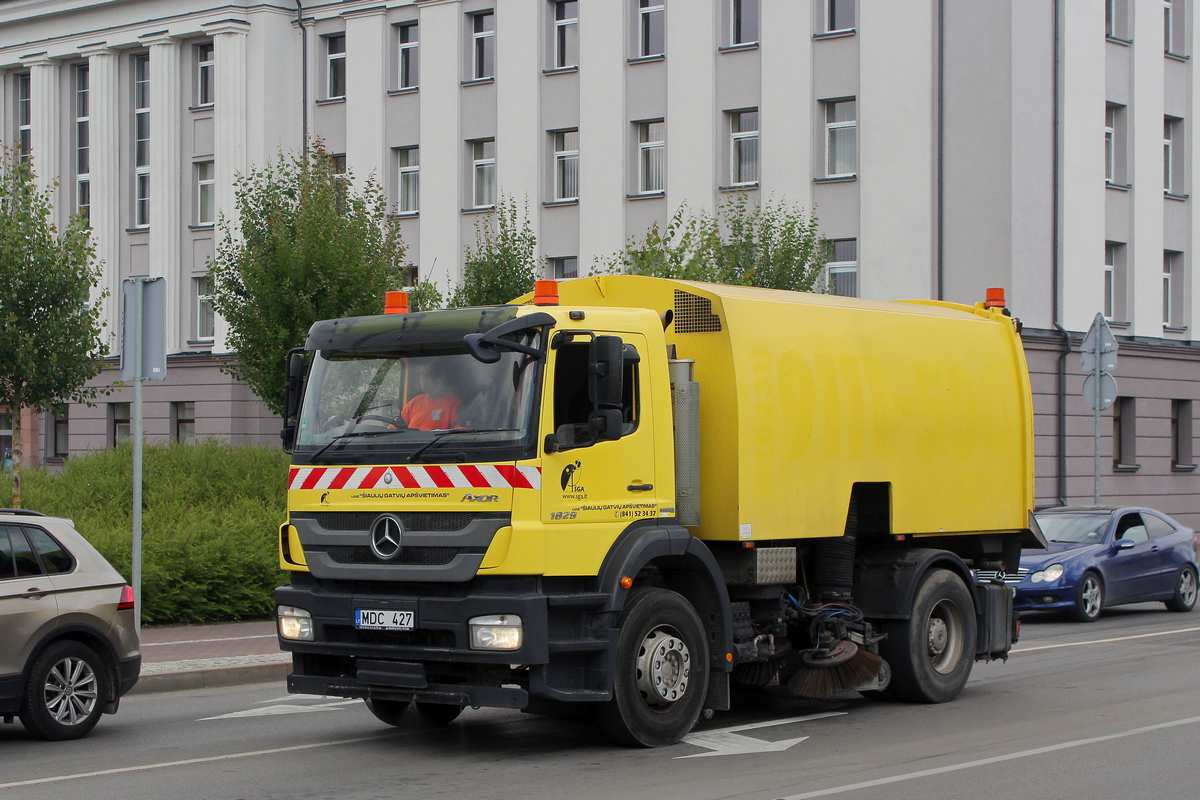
[[1106, 710]]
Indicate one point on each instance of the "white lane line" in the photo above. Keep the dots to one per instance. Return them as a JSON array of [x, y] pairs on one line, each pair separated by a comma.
[[204, 641], [185, 762], [1016, 650], [771, 723], [983, 762]]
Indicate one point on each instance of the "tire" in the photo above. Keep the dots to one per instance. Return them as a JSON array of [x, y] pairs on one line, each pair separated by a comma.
[[388, 711], [66, 691], [661, 675], [931, 653], [1185, 590], [437, 714], [1089, 598]]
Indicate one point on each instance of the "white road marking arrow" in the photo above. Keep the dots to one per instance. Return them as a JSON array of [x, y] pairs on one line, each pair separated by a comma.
[[728, 741]]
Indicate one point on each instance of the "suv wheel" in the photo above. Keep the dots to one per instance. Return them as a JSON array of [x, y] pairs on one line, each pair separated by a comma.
[[64, 696]]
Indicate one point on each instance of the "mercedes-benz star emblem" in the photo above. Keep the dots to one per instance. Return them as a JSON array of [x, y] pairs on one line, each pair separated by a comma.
[[385, 537]]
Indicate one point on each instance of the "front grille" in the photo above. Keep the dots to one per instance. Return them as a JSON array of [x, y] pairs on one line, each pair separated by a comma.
[[446, 521], [417, 638], [408, 556], [983, 575]]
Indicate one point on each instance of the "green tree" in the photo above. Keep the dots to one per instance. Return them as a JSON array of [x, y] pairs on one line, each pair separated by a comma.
[[306, 246], [772, 245], [50, 322], [503, 264]]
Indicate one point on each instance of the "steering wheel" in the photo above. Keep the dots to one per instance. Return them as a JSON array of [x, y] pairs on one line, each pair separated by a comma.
[[395, 423]]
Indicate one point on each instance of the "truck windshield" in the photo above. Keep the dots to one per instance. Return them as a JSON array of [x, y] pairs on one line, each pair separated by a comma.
[[394, 407]]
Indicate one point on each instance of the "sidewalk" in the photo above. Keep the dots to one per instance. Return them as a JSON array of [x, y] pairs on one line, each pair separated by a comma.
[[204, 656]]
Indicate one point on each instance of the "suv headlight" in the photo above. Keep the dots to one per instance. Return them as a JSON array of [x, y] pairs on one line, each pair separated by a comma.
[[496, 632], [295, 624]]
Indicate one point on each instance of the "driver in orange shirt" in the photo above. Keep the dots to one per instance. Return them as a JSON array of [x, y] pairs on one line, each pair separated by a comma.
[[437, 408]]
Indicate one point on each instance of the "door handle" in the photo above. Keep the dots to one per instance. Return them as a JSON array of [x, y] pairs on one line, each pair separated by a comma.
[[34, 593], [640, 487]]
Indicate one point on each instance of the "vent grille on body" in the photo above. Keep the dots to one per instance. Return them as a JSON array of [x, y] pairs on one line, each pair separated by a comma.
[[693, 314]]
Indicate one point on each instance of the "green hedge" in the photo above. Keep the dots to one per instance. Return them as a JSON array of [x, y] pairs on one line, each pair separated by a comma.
[[210, 515]]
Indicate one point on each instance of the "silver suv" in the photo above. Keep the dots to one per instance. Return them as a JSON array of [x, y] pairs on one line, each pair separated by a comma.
[[68, 645]]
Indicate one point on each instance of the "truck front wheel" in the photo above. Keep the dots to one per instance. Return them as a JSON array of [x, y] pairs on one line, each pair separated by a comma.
[[661, 670], [932, 651], [389, 711]]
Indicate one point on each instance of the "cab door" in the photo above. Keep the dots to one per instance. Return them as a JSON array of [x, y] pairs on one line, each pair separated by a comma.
[[593, 488]]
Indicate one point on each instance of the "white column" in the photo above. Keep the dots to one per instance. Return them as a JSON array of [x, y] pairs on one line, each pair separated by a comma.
[[166, 180], [692, 114], [1144, 271], [366, 90], [105, 178], [229, 132], [520, 141], [442, 148], [44, 83], [604, 132], [785, 119], [1191, 184], [1082, 99]]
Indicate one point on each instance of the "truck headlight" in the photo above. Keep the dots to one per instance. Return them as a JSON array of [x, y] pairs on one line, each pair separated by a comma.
[[1049, 574], [496, 632], [295, 624]]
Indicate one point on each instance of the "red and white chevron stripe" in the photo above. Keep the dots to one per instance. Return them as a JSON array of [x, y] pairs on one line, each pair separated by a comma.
[[451, 476]]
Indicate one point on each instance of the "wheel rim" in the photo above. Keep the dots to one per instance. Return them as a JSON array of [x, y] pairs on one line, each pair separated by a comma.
[[1187, 587], [71, 691], [664, 665], [1091, 596], [944, 637]]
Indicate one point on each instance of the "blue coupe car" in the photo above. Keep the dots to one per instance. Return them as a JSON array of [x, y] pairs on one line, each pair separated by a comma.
[[1103, 557]]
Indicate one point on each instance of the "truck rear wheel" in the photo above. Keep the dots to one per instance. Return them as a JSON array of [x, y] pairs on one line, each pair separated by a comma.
[[931, 652], [661, 670]]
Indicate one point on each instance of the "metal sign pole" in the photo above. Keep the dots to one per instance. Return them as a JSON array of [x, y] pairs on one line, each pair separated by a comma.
[[139, 287], [1096, 427]]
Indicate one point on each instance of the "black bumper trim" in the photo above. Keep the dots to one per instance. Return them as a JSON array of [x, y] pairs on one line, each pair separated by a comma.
[[447, 693]]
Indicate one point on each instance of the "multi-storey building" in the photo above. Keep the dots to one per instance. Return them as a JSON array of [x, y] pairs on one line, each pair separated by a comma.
[[1040, 145]]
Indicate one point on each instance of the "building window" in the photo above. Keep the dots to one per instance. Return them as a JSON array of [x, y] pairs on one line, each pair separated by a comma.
[[1173, 29], [5, 436], [205, 318], [24, 116], [83, 187], [743, 23], [842, 268], [1114, 280], [57, 431], [141, 126], [185, 422], [566, 33], [1172, 155], [652, 27], [408, 56], [485, 44], [1172, 298], [483, 172], [1114, 144], [564, 267], [744, 147], [839, 15], [841, 146], [204, 74], [335, 51], [205, 187], [1181, 433], [1116, 19], [566, 165], [119, 414], [409, 161], [1124, 432], [652, 156]]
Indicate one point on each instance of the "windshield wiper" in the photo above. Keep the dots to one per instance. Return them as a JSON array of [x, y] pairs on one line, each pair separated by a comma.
[[347, 435], [417, 453]]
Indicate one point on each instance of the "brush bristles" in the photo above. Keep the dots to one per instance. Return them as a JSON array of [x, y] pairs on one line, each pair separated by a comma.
[[821, 684]]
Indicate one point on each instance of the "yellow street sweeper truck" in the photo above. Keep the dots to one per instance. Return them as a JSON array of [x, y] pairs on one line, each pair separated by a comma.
[[635, 492]]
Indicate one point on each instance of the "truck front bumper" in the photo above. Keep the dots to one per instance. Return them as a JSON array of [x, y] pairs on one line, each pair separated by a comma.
[[562, 656]]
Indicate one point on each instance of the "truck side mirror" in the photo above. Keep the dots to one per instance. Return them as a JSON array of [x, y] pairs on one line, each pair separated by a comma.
[[605, 371], [291, 385], [605, 423]]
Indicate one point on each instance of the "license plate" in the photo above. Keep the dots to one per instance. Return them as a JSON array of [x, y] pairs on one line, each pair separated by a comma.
[[384, 620]]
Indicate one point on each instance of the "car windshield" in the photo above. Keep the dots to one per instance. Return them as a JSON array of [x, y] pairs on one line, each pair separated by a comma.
[[389, 407], [1074, 528]]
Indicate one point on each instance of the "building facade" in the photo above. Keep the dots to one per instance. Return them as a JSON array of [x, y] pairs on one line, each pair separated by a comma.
[[1045, 146]]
